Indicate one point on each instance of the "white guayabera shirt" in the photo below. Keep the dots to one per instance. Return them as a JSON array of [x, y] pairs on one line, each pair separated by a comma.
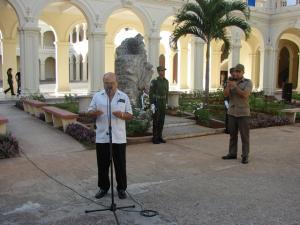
[[120, 102]]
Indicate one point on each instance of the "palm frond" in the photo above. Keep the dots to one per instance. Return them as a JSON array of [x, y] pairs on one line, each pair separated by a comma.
[[237, 22]]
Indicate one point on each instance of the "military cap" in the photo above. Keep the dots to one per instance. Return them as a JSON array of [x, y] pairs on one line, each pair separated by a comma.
[[239, 67], [161, 68]]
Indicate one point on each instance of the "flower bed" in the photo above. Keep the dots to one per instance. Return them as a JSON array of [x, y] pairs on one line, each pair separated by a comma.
[[82, 134], [260, 120]]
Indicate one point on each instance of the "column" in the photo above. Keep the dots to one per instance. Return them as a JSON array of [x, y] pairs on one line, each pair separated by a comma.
[[71, 37], [215, 69], [268, 79], [183, 65], [43, 77], [198, 64], [29, 59], [9, 60], [77, 68], [234, 56], [253, 69], [84, 31], [96, 60], [153, 49], [110, 56], [71, 68], [298, 84], [62, 66], [77, 33], [42, 40], [170, 75], [84, 68]]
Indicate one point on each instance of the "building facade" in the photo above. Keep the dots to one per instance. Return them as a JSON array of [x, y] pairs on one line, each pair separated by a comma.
[[75, 40]]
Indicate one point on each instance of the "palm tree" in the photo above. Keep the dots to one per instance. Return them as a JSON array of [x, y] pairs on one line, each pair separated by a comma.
[[208, 20]]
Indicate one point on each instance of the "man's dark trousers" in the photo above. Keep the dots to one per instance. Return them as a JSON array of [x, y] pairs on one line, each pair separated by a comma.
[[119, 161], [235, 125], [159, 120]]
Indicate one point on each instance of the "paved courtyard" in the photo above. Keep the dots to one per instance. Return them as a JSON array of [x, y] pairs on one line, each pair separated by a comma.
[[185, 180]]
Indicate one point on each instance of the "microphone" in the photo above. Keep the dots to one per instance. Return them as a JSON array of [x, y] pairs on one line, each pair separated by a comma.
[[108, 89]]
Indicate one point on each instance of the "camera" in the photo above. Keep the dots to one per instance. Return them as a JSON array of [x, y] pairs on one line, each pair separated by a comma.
[[231, 79]]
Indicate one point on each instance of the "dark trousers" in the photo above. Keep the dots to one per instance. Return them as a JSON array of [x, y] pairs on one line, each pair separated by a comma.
[[19, 88], [158, 122], [226, 121], [119, 161], [236, 124], [11, 88]]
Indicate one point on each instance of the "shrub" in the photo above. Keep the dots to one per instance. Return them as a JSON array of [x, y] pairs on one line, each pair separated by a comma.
[[296, 96], [140, 123], [86, 118], [69, 106], [19, 104], [9, 146], [202, 116], [70, 98], [38, 97], [81, 133]]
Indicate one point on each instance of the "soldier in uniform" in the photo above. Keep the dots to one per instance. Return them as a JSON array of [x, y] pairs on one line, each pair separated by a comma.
[[158, 96]]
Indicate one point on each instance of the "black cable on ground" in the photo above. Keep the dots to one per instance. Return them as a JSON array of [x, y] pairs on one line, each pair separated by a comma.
[[59, 182], [143, 212]]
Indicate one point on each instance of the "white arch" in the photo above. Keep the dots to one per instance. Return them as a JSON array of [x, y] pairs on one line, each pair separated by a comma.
[[291, 37], [282, 30], [19, 10], [137, 10], [82, 5], [71, 27]]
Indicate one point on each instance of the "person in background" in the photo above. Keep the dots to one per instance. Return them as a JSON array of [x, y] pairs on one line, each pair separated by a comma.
[[158, 96], [18, 79], [226, 99], [10, 82]]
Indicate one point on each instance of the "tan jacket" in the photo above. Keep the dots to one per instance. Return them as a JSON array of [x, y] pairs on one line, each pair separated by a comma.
[[239, 106]]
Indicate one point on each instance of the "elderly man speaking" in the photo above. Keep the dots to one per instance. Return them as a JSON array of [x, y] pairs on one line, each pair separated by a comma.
[[121, 111]]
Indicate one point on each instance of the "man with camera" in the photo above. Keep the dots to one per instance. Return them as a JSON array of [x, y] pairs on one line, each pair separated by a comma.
[[238, 90]]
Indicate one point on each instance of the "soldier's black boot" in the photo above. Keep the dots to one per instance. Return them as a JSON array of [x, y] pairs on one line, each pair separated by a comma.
[[155, 141], [245, 160], [228, 156], [161, 140]]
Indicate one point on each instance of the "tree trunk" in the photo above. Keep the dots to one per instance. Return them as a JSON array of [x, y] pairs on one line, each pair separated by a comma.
[[206, 92]]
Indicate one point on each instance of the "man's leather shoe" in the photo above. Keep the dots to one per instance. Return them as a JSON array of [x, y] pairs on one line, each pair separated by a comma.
[[100, 194], [229, 157], [122, 194], [161, 140], [155, 141], [244, 160]]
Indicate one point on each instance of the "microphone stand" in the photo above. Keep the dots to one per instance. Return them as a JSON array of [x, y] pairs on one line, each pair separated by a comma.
[[113, 207]]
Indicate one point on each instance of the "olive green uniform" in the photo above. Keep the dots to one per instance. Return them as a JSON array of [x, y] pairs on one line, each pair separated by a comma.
[[158, 96]]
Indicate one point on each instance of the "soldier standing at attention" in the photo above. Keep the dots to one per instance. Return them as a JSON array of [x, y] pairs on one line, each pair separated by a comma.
[[158, 96]]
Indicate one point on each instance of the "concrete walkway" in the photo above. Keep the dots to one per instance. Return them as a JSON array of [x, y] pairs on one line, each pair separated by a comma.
[[185, 180]]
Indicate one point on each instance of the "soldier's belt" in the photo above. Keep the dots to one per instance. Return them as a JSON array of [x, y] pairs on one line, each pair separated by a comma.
[[160, 97]]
